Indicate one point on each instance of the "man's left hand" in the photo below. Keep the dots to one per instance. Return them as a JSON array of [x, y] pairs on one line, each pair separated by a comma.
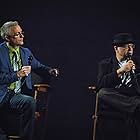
[[54, 72]]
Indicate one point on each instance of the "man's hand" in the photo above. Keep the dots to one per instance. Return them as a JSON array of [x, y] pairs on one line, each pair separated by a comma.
[[126, 67], [24, 71], [54, 72]]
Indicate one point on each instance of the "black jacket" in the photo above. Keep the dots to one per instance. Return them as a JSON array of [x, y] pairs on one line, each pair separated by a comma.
[[107, 72]]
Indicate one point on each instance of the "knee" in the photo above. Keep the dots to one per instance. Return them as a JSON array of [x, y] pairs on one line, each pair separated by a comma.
[[105, 91], [27, 104], [101, 92], [30, 102]]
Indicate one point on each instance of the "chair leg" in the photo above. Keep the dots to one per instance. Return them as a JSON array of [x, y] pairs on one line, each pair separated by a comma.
[[95, 118]]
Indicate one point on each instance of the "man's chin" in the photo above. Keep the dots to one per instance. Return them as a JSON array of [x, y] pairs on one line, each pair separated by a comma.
[[21, 43]]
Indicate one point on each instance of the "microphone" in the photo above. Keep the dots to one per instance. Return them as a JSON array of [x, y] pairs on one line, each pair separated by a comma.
[[129, 57], [30, 58]]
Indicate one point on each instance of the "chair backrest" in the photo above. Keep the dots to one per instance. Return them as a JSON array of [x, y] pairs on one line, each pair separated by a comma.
[[36, 78]]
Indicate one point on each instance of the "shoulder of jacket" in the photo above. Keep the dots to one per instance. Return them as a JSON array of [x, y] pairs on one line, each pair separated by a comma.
[[25, 49], [3, 47]]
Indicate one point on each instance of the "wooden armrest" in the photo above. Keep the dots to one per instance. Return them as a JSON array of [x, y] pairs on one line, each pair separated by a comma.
[[41, 87]]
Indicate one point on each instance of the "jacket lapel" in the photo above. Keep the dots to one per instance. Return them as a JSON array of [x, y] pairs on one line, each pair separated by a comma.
[[115, 63], [23, 57], [6, 56]]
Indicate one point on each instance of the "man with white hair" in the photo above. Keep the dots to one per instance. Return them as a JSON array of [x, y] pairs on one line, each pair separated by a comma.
[[16, 64]]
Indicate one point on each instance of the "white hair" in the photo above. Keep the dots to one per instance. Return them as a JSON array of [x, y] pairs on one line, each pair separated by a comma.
[[5, 28]]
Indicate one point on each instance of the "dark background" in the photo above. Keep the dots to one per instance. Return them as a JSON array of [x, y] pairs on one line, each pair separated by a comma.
[[72, 36]]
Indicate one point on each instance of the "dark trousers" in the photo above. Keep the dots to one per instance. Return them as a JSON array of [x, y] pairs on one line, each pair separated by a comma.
[[122, 101], [24, 106]]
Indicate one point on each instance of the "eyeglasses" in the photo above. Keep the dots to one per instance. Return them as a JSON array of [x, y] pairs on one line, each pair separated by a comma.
[[16, 35], [129, 46]]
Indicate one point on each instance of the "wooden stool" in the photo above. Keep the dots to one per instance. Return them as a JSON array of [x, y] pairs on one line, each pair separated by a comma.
[[39, 88], [41, 98], [94, 116]]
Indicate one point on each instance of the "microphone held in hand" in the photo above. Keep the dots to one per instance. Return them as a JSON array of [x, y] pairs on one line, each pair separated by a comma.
[[129, 56], [30, 58]]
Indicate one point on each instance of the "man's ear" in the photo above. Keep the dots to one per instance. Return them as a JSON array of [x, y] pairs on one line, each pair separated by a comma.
[[7, 38], [115, 47]]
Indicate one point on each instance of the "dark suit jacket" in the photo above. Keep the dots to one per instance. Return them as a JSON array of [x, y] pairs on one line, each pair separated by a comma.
[[7, 75], [107, 72]]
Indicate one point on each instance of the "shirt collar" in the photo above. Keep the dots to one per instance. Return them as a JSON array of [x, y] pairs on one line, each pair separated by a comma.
[[11, 49]]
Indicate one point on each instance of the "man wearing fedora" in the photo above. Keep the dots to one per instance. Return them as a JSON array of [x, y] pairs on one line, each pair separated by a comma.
[[118, 77]]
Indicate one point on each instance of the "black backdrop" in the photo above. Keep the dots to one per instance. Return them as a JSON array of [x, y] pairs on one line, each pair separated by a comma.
[[73, 36]]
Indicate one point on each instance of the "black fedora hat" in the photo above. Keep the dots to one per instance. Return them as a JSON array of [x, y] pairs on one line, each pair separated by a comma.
[[122, 39]]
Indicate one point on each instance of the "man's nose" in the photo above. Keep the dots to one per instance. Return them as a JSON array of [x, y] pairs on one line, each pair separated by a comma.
[[130, 48], [21, 35]]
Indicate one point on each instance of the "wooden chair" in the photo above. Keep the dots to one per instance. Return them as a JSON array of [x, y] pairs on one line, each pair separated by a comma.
[[95, 116], [99, 115], [39, 89], [41, 98]]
